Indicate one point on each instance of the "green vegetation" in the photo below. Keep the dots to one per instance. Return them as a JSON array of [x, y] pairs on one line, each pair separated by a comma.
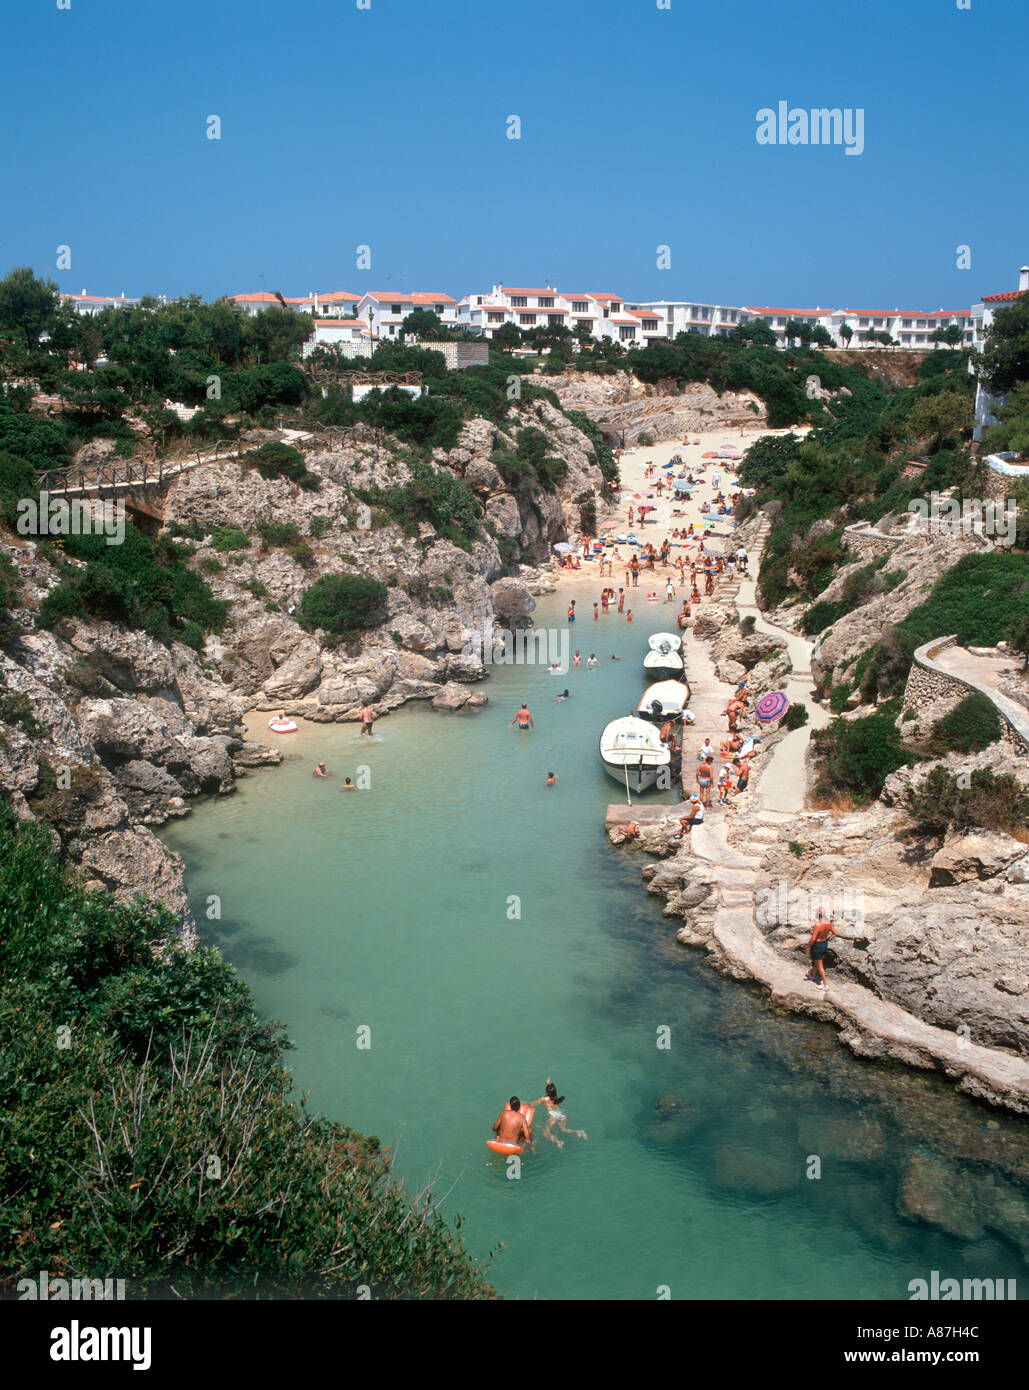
[[978, 600], [859, 587], [120, 1052], [856, 756], [276, 460], [226, 538], [991, 801], [143, 583], [971, 726], [795, 717], [343, 605], [431, 495]]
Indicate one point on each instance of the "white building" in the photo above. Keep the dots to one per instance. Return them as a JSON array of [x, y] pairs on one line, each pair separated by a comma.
[[331, 332], [385, 311], [336, 304], [94, 303], [982, 317]]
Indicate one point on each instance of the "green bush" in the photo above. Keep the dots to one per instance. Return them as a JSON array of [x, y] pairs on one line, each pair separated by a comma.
[[970, 727], [274, 459], [141, 582], [990, 801], [224, 538], [318, 526], [278, 534], [857, 755], [431, 495], [795, 717], [343, 605]]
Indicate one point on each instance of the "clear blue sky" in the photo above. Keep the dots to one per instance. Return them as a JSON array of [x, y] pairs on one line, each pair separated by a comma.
[[387, 127]]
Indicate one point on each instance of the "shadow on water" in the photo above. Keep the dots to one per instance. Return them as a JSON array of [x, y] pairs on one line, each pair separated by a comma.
[[251, 950]]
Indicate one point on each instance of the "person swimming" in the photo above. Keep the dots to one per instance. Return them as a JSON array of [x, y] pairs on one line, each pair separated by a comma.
[[551, 780], [565, 695], [320, 771], [556, 1117]]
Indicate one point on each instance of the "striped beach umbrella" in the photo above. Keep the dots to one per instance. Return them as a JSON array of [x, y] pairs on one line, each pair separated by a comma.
[[771, 706]]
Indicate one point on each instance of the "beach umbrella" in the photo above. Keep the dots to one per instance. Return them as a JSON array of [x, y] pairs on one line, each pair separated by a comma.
[[728, 451], [709, 455], [563, 548], [771, 706], [681, 486]]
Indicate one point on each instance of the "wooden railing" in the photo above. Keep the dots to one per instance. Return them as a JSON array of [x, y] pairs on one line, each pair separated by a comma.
[[127, 473]]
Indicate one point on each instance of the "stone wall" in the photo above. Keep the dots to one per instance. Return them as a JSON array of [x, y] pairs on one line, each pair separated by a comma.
[[866, 540], [927, 682]]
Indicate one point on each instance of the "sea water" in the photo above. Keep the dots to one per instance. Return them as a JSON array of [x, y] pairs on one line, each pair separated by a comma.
[[457, 931]]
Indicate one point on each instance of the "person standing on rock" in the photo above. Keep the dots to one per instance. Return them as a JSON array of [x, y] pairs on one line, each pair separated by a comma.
[[821, 934]]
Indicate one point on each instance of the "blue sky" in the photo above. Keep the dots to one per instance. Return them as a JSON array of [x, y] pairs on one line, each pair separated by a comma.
[[387, 127]]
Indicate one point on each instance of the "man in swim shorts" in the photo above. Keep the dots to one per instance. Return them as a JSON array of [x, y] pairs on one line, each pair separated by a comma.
[[523, 718], [367, 716], [821, 934], [510, 1126]]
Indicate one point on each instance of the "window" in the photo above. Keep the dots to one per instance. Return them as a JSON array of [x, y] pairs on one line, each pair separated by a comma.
[[580, 306], [625, 333], [496, 318], [544, 302], [616, 308], [556, 318], [527, 319], [519, 301]]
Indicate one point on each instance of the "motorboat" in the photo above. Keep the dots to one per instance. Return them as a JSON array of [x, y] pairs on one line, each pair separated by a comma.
[[633, 754], [665, 659], [665, 700]]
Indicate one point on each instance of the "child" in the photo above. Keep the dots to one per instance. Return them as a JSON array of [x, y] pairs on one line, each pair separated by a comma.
[[628, 616]]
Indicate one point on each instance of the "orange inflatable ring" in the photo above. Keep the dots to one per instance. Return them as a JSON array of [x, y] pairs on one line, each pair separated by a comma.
[[499, 1147]]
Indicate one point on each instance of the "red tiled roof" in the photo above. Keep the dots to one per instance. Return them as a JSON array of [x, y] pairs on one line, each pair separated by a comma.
[[508, 289], [96, 298], [259, 297], [1008, 297], [768, 309], [341, 323]]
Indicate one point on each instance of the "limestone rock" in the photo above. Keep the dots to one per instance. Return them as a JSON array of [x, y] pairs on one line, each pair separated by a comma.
[[452, 697], [974, 855]]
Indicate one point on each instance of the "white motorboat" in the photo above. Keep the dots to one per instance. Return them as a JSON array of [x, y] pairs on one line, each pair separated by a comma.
[[633, 754], [665, 642], [662, 665], [664, 700]]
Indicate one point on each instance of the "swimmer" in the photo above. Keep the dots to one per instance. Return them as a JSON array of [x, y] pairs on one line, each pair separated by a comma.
[[615, 658], [348, 786], [565, 695], [510, 1126], [576, 659], [592, 661], [320, 771], [551, 780], [556, 1117], [523, 718]]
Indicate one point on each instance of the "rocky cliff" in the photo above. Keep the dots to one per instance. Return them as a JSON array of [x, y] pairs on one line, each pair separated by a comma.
[[625, 407], [106, 732]]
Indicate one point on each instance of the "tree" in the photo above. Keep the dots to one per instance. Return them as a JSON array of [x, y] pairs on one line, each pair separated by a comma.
[[424, 324], [1012, 433], [941, 417], [1017, 638], [757, 333], [507, 336], [1004, 360], [846, 333], [794, 331], [582, 331], [821, 337], [27, 305], [951, 335]]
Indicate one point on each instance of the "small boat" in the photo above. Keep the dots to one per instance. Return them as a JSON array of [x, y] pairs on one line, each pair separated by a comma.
[[664, 700], [282, 726], [664, 642], [632, 753], [664, 665]]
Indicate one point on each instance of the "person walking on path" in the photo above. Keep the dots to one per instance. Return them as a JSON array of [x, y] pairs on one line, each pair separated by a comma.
[[821, 934], [705, 776]]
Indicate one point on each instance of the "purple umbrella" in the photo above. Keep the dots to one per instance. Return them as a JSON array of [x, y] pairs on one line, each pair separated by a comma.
[[771, 706]]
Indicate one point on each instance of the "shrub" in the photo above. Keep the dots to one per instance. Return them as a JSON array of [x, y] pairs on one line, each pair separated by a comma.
[[343, 605], [970, 727], [431, 495], [225, 538], [795, 717], [274, 459], [857, 755], [189, 530], [646, 440], [318, 526], [278, 534], [991, 801], [210, 564]]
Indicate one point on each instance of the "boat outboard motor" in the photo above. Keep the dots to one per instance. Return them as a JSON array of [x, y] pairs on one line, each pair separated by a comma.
[[656, 709]]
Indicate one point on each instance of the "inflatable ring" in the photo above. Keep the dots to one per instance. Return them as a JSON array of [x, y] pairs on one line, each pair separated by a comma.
[[282, 726]]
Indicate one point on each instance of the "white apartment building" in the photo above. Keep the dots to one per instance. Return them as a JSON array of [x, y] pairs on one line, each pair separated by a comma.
[[336, 304], [94, 303], [689, 316], [330, 331], [982, 316], [384, 311]]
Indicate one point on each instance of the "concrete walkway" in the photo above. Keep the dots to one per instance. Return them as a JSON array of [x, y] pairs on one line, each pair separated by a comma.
[[783, 781]]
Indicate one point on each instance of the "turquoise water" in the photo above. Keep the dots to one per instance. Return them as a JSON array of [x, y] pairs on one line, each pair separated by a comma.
[[393, 909]]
